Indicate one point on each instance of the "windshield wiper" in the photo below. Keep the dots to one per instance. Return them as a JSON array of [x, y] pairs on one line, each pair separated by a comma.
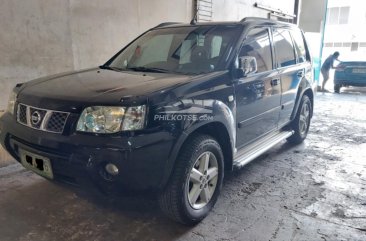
[[147, 69], [110, 68]]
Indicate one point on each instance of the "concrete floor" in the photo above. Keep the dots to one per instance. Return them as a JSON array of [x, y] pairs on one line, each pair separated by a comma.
[[314, 191]]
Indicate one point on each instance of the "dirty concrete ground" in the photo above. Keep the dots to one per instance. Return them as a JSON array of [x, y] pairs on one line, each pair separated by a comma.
[[5, 158], [313, 191]]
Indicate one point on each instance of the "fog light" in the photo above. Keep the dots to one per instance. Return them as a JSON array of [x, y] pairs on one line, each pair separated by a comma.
[[111, 169]]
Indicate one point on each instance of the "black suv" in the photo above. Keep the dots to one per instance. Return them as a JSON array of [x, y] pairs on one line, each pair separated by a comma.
[[170, 112]]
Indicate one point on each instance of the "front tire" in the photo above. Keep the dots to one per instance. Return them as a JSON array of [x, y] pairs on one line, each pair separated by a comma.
[[196, 181], [300, 125]]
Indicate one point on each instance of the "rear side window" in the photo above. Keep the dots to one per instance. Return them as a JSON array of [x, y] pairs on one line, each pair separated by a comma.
[[258, 45], [285, 53], [299, 45]]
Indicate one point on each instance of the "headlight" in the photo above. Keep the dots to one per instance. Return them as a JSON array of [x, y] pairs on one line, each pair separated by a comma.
[[134, 118], [111, 119], [11, 103]]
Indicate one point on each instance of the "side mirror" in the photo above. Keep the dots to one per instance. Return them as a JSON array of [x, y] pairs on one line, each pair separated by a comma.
[[247, 65]]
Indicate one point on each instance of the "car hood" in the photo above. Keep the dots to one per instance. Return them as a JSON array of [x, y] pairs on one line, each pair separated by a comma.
[[95, 86]]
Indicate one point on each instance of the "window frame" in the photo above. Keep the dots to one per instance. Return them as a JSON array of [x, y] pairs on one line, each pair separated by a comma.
[[278, 66], [269, 31], [292, 33]]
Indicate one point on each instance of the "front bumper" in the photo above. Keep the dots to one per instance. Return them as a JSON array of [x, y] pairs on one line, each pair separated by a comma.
[[79, 159]]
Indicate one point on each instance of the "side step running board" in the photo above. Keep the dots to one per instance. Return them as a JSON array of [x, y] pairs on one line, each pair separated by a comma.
[[249, 153]]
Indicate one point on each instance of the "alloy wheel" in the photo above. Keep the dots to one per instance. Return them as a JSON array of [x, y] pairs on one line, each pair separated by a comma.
[[202, 181], [304, 119]]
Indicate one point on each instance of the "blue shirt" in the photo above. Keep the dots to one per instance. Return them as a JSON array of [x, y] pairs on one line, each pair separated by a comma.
[[328, 63]]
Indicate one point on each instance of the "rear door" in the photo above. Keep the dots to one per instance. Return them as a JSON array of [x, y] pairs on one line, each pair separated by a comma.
[[292, 64], [257, 95]]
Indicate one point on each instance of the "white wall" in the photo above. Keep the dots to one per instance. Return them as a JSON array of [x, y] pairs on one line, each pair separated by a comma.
[[312, 15], [43, 37], [353, 31]]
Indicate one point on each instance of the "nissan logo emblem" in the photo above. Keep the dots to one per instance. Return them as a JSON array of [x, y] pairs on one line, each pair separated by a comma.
[[36, 118]]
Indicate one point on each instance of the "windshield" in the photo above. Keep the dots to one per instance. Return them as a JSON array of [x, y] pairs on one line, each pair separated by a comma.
[[186, 50]]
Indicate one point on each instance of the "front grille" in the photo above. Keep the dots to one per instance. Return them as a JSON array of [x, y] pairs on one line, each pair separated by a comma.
[[22, 114], [42, 119], [57, 121]]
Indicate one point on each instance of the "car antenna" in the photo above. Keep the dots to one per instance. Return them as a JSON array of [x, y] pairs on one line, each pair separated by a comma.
[[194, 20]]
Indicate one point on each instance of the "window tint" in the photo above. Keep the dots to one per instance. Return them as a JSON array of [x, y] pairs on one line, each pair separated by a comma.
[[154, 50], [285, 54], [299, 45], [258, 45], [185, 51], [216, 46]]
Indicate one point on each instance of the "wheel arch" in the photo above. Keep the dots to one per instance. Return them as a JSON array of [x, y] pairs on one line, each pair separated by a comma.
[[304, 89], [218, 131]]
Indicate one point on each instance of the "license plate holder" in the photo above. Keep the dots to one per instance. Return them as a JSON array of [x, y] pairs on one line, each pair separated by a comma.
[[359, 71], [36, 163]]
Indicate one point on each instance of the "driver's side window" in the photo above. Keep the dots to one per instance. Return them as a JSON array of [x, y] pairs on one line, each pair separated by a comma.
[[257, 44]]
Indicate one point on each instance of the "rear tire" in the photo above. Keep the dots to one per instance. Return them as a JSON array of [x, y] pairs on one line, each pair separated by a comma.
[[300, 125], [337, 88], [195, 182]]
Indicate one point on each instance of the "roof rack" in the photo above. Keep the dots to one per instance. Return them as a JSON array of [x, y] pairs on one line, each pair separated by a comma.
[[275, 12], [253, 18], [166, 24]]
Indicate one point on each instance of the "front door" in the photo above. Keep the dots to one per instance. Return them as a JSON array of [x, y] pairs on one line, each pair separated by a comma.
[[258, 96]]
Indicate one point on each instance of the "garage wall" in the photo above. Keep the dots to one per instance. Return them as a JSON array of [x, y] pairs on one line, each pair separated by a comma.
[[99, 28], [43, 37], [35, 40], [312, 15]]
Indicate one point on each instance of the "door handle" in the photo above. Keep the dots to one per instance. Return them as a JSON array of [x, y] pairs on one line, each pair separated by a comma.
[[275, 82], [300, 74]]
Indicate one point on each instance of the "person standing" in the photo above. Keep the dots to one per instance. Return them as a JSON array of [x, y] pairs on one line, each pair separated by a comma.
[[327, 65]]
